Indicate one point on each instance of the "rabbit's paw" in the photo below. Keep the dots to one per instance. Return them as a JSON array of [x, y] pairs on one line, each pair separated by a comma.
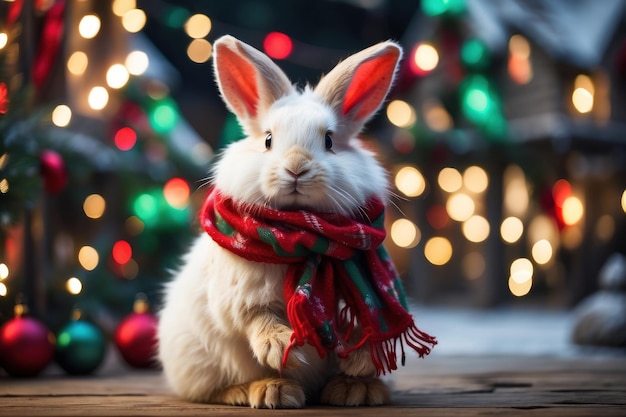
[[358, 363], [343, 390], [269, 348], [276, 393]]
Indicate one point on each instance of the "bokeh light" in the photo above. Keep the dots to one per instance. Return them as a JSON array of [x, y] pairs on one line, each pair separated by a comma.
[[450, 179], [438, 250], [425, 59], [89, 26], [520, 289], [405, 233], [278, 45], [401, 114], [125, 138], [88, 258], [199, 50], [117, 76], [511, 229], [4, 271], [122, 252], [134, 20], [61, 115], [77, 63], [623, 201], [460, 207], [572, 210], [137, 62], [74, 286], [521, 270], [476, 229], [583, 94], [198, 26], [542, 252], [120, 7], [176, 192], [475, 179], [94, 206], [410, 181], [4, 39], [98, 98]]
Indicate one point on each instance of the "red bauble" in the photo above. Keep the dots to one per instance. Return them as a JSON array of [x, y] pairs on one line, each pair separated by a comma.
[[53, 171], [26, 346], [136, 338]]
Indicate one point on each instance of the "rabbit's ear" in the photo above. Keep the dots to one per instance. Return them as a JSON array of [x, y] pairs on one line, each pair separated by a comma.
[[357, 86], [248, 80]]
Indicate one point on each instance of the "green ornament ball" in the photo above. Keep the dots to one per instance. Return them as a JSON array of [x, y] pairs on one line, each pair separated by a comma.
[[80, 348]]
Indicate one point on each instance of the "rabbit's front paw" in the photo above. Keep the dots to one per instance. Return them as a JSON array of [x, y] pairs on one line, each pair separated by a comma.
[[276, 393], [269, 347]]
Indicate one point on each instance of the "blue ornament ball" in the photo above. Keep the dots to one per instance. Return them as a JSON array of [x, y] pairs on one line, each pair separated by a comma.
[[80, 348]]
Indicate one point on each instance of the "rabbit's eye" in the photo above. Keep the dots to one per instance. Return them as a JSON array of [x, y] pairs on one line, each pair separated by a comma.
[[328, 141], [268, 140]]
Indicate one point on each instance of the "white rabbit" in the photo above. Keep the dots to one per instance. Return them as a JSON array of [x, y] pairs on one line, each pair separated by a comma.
[[223, 329]]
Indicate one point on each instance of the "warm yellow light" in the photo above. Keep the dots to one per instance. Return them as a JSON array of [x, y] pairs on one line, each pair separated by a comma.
[[77, 63], [438, 250], [401, 114], [437, 117], [89, 26], [460, 207], [198, 26], [582, 100], [94, 206], [476, 229], [137, 62], [515, 191], [4, 186], [572, 210], [4, 271], [410, 181], [98, 98], [117, 76], [511, 229], [542, 252], [475, 179], [199, 50], [543, 227], [120, 7], [520, 289], [405, 233], [3, 290], [426, 57], [88, 258], [74, 286], [474, 265], [61, 115], [134, 20], [4, 39], [519, 46], [624, 201], [521, 270], [572, 237], [449, 179], [134, 225]]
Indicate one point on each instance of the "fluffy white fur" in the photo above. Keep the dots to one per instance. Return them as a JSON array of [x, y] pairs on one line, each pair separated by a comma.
[[223, 329]]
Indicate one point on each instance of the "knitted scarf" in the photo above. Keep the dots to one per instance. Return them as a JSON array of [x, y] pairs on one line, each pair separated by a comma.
[[339, 279]]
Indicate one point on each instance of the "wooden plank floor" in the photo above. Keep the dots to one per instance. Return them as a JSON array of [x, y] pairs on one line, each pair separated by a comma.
[[436, 386]]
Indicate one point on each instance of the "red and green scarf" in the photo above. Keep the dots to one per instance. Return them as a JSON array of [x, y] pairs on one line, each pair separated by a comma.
[[339, 274]]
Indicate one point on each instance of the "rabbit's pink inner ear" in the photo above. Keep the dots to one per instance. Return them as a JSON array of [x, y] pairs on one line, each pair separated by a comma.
[[238, 81], [370, 84]]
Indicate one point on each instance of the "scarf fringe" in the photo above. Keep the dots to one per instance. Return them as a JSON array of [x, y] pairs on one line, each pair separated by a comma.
[[385, 353]]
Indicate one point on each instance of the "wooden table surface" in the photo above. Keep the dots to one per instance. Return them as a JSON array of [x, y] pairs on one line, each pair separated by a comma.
[[593, 385]]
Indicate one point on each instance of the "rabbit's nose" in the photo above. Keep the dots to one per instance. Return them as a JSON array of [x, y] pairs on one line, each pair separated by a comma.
[[298, 172]]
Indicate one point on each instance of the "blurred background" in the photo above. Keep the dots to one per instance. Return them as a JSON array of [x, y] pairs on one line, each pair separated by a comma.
[[504, 137]]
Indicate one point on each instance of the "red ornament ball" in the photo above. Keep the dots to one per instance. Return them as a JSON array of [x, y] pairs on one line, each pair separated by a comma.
[[26, 346], [53, 171], [135, 337]]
